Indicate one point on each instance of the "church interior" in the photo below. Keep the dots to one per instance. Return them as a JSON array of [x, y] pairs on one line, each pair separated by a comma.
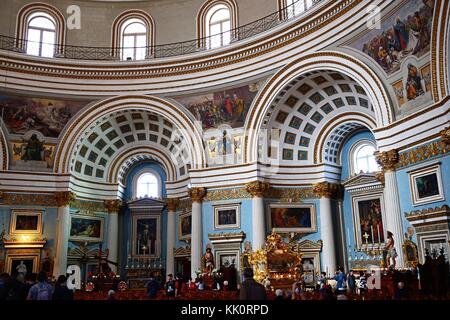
[[183, 142]]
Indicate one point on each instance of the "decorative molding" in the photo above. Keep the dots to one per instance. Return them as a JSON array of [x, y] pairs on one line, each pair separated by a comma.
[[423, 152], [45, 200], [64, 198], [182, 252], [18, 243], [291, 194], [172, 204], [257, 188], [227, 237], [310, 246], [197, 194], [428, 213], [186, 204], [88, 207], [388, 160], [327, 190], [113, 206], [227, 194], [445, 136]]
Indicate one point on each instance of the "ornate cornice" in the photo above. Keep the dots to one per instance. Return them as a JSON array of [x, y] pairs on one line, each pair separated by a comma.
[[388, 160], [113, 206], [291, 194], [445, 135], [227, 194], [172, 204], [257, 188], [64, 198], [197, 194], [327, 190], [423, 152], [45, 200], [442, 211], [89, 207]]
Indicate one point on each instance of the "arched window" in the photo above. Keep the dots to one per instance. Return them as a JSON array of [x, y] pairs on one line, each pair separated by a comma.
[[215, 22], [41, 35], [147, 185], [133, 40], [296, 7], [364, 158], [219, 26]]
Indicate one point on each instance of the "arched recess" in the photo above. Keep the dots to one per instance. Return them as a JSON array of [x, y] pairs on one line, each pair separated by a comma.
[[90, 118], [124, 17], [333, 136], [4, 154], [203, 11], [330, 60], [26, 11]]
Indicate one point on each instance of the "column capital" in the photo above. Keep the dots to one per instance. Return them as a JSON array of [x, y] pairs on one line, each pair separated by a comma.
[[327, 190], [197, 194], [113, 206], [387, 160], [172, 204], [379, 175], [445, 135], [257, 188], [64, 198]]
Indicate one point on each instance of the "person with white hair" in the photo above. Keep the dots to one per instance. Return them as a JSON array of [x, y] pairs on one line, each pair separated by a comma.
[[111, 295], [279, 294]]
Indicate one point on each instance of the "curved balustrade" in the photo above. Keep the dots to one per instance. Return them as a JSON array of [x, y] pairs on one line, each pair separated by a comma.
[[171, 49]]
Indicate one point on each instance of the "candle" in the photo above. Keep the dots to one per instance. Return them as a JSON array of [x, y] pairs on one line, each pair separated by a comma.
[[379, 238], [371, 230]]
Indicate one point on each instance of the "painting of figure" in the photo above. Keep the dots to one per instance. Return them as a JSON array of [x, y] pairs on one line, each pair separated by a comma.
[[22, 265], [413, 83], [427, 185], [27, 222], [48, 116], [146, 235], [86, 228], [185, 226], [229, 106], [405, 32], [227, 216], [292, 218], [370, 221]]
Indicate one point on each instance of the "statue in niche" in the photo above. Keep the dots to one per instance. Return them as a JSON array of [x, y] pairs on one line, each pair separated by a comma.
[[21, 268], [33, 149], [390, 252], [208, 261]]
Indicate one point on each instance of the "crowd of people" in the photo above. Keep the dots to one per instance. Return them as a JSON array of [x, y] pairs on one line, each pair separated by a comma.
[[33, 287]]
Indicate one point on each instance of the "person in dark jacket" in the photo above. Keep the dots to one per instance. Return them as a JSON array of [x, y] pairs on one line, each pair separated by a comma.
[[152, 286], [250, 289], [61, 291], [17, 289]]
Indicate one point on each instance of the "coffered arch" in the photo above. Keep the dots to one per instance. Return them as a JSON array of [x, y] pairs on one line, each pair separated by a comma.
[[348, 67], [4, 155], [103, 131]]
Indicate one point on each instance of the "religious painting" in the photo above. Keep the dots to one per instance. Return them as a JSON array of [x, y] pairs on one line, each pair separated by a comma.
[[369, 220], [227, 216], [34, 150], [426, 185], [47, 116], [185, 226], [86, 228], [228, 106], [292, 217], [413, 85], [25, 222], [146, 235], [404, 32]]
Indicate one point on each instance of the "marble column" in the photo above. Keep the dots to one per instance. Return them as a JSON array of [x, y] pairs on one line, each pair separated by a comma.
[[171, 205], [197, 195], [63, 200], [388, 161], [257, 190], [327, 191], [112, 243]]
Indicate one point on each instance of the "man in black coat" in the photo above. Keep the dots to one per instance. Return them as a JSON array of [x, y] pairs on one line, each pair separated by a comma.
[[250, 289]]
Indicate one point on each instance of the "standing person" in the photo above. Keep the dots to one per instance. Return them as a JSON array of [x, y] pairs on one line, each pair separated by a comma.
[[340, 278], [250, 289], [30, 280], [5, 281], [17, 289], [41, 290], [391, 253], [61, 292], [170, 286], [351, 281], [152, 287]]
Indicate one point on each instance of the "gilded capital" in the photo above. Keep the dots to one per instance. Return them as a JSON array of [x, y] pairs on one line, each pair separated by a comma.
[[388, 160], [197, 194], [379, 175], [257, 188], [64, 198], [172, 204], [327, 190], [445, 135], [113, 206]]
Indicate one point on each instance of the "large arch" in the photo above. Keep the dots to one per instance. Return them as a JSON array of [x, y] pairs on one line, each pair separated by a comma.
[[181, 120], [329, 60], [4, 155]]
